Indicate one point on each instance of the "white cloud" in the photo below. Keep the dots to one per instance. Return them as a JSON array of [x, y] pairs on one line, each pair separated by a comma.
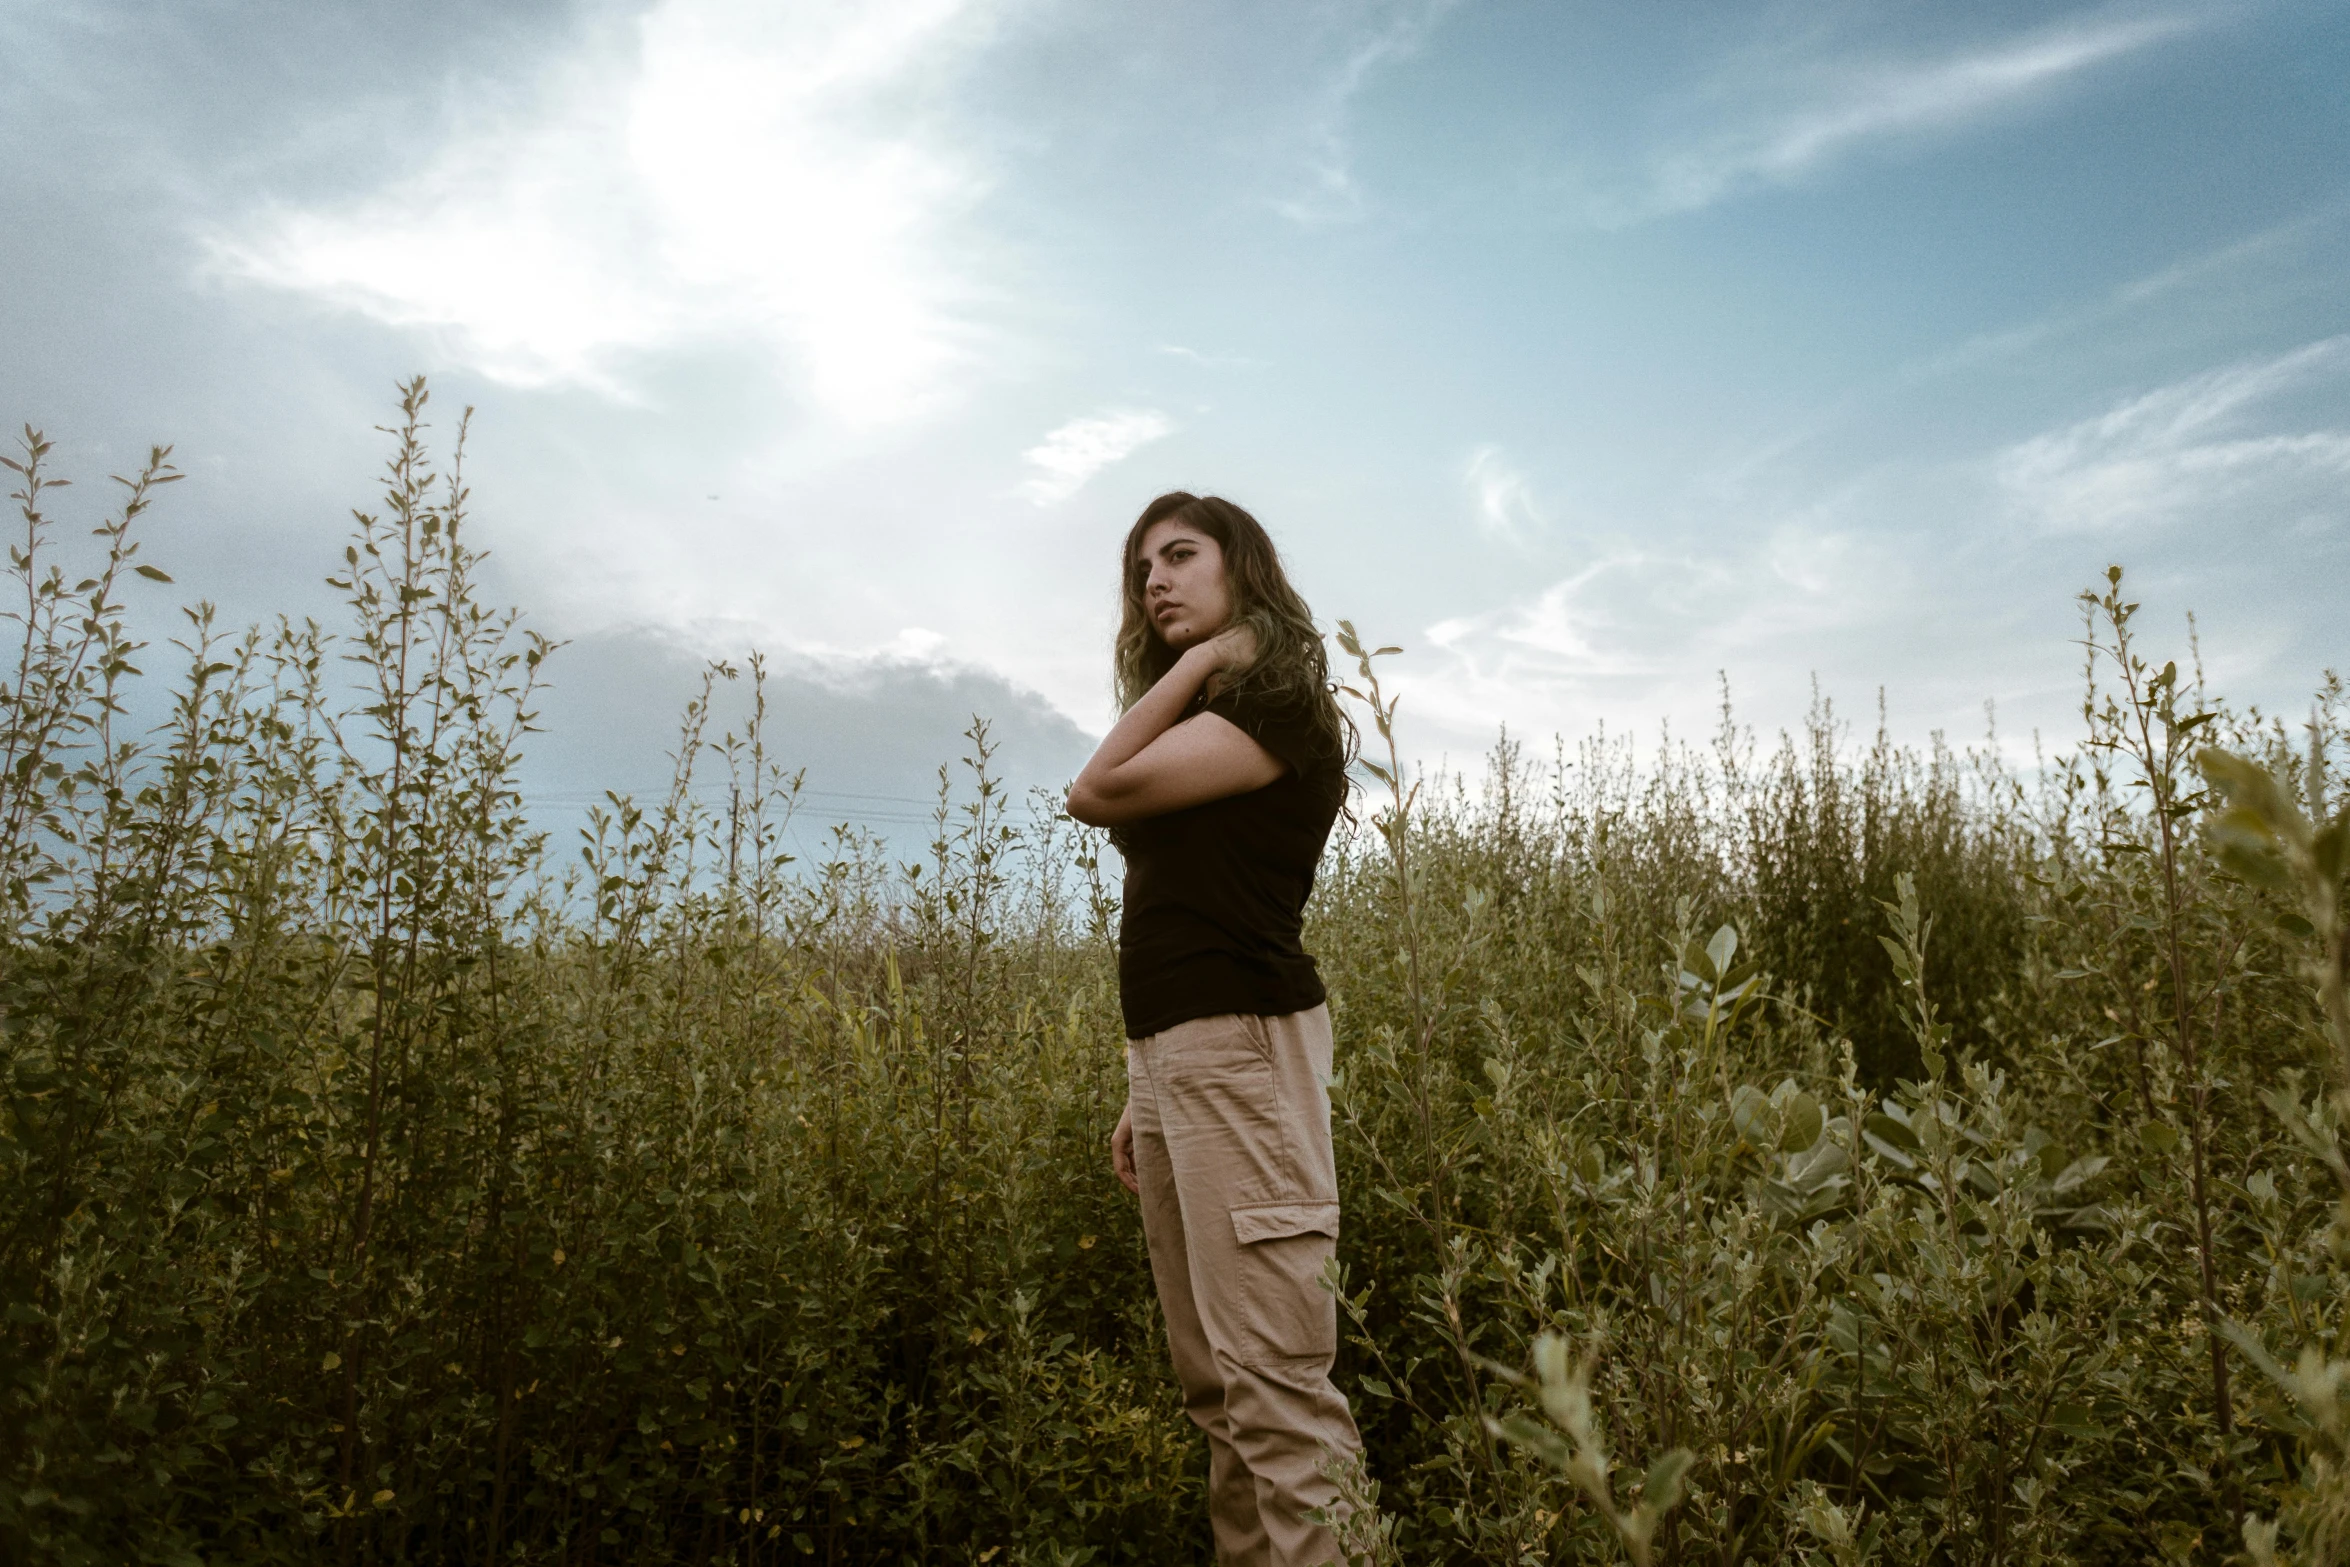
[[1065, 459], [1193, 356], [917, 644], [733, 172], [2193, 449], [1644, 632], [1938, 581], [1332, 194], [1505, 502], [1850, 104]]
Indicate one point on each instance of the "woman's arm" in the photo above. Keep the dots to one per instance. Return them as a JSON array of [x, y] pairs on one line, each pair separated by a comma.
[[1150, 764]]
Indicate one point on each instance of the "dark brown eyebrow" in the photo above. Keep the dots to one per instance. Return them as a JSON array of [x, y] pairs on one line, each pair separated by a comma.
[[1180, 538]]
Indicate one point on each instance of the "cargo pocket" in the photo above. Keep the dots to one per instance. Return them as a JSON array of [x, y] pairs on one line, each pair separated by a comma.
[[1286, 1316]]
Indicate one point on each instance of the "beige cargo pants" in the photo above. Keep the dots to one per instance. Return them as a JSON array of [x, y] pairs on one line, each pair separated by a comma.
[[1240, 1206]]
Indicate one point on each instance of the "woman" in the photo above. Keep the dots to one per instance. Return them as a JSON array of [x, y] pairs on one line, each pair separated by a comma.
[[1220, 785]]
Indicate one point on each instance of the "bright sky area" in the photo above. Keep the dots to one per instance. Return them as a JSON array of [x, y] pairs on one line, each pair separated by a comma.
[[1590, 351]]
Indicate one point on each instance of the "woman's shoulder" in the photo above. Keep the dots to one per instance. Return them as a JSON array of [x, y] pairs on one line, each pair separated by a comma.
[[1298, 724]]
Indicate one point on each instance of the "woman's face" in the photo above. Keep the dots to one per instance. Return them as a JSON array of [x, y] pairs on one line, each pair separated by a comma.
[[1183, 587]]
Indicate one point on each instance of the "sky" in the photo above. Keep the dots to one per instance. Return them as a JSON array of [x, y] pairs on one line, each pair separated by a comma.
[[1597, 354]]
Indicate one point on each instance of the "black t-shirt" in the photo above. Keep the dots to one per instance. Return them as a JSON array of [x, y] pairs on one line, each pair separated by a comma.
[[1216, 893]]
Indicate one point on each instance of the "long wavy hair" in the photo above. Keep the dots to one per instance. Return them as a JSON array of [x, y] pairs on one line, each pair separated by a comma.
[[1290, 665]]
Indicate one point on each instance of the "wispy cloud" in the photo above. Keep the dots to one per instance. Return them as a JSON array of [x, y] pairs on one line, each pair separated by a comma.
[[1643, 631], [1504, 500], [2197, 448], [731, 172], [1192, 356], [1065, 459], [1332, 194], [1556, 628], [1848, 104], [2180, 298], [2198, 273]]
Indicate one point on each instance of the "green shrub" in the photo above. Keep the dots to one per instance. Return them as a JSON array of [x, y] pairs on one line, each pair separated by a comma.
[[1874, 1147]]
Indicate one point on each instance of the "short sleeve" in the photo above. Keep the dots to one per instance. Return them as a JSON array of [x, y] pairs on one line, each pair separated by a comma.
[[1282, 724]]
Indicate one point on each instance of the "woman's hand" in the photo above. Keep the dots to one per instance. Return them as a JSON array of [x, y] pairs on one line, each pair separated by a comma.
[[1154, 760], [1122, 1152], [1231, 649]]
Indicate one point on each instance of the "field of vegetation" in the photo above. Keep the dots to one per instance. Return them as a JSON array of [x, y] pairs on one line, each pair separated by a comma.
[[1821, 1152]]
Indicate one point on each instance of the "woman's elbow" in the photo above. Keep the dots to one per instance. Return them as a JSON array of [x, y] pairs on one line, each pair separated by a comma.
[[1085, 804], [1099, 805]]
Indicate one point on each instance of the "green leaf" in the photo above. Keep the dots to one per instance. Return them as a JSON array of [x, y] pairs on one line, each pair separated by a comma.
[[2079, 1173], [1722, 948], [152, 573], [2329, 851], [1523, 1431], [1661, 1491], [2074, 1420], [1803, 1124], [2256, 1352], [1886, 1128]]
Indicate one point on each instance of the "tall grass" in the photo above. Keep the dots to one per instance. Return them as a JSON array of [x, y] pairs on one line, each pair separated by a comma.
[[1894, 1158]]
